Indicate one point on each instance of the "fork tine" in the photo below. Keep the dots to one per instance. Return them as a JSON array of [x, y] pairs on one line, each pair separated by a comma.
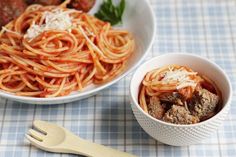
[[41, 126], [37, 135], [33, 140]]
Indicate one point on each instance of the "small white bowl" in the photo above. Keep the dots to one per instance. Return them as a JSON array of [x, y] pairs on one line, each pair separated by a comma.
[[173, 134], [139, 19]]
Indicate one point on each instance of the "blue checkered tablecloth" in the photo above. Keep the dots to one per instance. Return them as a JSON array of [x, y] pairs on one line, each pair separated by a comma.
[[203, 27]]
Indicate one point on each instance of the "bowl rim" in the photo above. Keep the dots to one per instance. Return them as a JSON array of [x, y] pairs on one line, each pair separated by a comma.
[[46, 101], [226, 104]]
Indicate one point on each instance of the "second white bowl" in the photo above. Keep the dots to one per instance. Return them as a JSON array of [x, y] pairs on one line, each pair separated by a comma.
[[173, 134]]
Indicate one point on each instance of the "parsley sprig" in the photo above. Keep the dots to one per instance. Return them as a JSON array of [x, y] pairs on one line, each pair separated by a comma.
[[111, 13]]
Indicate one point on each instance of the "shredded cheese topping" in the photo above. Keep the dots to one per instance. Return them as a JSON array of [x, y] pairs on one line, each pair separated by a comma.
[[181, 76], [56, 19]]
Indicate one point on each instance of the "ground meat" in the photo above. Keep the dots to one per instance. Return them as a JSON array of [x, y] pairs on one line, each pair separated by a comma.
[[10, 9], [203, 104], [155, 108], [179, 115], [84, 5], [173, 98]]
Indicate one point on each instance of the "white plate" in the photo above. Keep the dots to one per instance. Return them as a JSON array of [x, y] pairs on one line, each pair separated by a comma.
[[139, 19]]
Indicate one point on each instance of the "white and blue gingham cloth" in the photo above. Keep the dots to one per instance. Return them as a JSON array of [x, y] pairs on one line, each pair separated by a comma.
[[203, 27]]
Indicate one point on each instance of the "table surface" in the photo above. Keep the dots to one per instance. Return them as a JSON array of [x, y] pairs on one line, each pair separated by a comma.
[[203, 27]]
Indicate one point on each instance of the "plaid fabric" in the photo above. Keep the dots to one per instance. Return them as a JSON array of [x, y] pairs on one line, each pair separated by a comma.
[[204, 27]]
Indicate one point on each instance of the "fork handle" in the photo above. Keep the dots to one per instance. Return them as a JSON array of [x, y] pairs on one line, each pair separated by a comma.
[[84, 147]]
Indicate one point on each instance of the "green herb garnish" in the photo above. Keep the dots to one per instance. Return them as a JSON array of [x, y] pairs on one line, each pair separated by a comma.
[[110, 13]]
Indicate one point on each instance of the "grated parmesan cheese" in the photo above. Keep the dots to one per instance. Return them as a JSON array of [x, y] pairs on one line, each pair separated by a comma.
[[56, 19], [181, 76]]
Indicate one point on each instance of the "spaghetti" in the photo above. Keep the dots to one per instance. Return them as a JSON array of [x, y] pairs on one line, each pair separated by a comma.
[[50, 51], [173, 93]]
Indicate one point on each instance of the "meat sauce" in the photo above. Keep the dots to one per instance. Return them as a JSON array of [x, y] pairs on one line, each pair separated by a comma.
[[11, 9], [203, 102]]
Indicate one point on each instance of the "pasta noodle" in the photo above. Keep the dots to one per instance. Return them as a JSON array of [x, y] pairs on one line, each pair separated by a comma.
[[173, 78], [177, 94], [39, 60]]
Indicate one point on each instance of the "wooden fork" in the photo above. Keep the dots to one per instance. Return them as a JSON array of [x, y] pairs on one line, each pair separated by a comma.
[[53, 138]]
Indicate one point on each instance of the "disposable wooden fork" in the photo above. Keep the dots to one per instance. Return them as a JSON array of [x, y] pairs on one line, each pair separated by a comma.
[[53, 138]]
